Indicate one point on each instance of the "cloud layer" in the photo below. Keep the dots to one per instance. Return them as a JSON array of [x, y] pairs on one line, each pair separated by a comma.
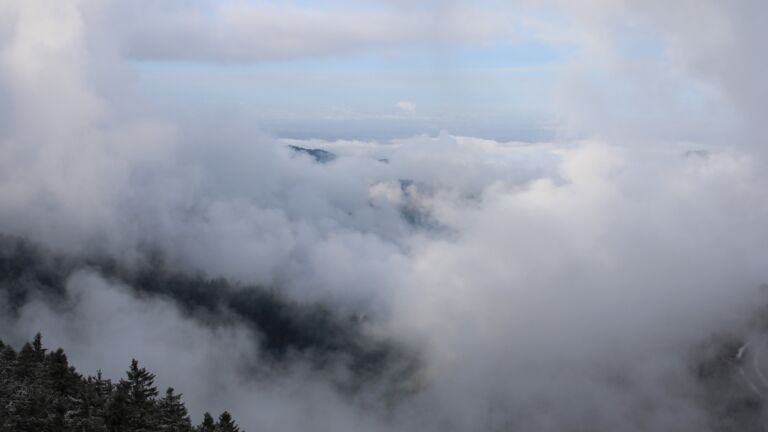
[[239, 31], [549, 286]]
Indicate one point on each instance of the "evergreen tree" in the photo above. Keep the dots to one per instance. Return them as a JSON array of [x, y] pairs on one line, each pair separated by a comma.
[[7, 381], [37, 347], [64, 383], [41, 392], [173, 413], [88, 410], [207, 425], [117, 415], [29, 402], [226, 424], [141, 394], [26, 363]]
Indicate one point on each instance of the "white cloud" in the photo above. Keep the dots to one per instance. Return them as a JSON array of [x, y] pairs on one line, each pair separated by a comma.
[[237, 31], [406, 107], [565, 285]]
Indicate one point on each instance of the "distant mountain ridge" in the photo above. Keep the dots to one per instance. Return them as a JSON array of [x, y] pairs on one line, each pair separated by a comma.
[[319, 155]]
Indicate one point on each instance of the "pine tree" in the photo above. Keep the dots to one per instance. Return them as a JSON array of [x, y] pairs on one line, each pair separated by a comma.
[[29, 400], [41, 392], [207, 425], [26, 363], [7, 381], [141, 395], [88, 410], [67, 388], [102, 387], [63, 377], [117, 416], [37, 346], [226, 424], [173, 413]]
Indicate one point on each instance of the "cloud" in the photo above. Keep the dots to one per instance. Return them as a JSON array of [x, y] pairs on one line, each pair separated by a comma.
[[648, 73], [237, 31], [406, 107], [550, 286], [552, 291], [105, 324]]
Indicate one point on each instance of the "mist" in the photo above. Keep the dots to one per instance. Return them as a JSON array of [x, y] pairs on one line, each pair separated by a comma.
[[435, 282]]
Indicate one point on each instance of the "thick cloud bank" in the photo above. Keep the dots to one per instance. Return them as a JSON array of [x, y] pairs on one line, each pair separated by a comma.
[[430, 283]]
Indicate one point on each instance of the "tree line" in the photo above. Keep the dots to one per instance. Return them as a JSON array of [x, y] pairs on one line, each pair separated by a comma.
[[41, 392]]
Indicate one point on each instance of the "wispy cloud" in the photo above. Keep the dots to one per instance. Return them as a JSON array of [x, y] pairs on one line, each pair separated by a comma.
[[233, 31], [407, 107]]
